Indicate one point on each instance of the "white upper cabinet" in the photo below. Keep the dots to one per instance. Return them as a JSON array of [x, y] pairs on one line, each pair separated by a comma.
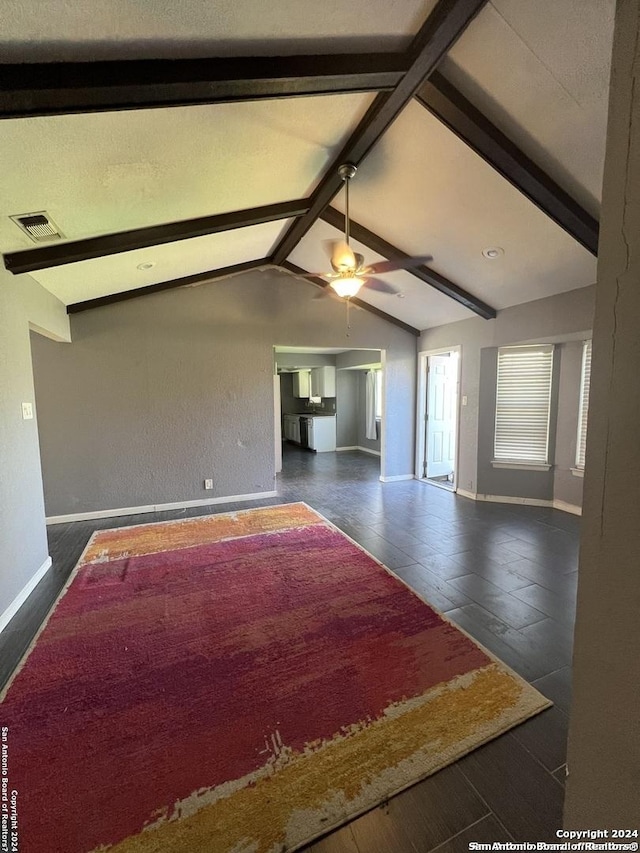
[[323, 381], [302, 384]]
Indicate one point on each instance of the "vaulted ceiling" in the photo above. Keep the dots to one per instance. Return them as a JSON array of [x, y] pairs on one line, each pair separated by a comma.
[[176, 143]]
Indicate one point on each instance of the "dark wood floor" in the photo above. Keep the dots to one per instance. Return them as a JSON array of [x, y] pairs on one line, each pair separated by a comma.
[[506, 574]]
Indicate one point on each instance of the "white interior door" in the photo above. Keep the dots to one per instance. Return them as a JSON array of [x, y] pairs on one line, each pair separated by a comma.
[[442, 380]]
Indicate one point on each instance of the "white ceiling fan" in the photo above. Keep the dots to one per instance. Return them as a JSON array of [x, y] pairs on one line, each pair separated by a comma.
[[349, 270]]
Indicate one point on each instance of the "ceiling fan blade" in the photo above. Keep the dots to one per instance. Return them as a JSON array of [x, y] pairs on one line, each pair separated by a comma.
[[401, 264], [379, 285]]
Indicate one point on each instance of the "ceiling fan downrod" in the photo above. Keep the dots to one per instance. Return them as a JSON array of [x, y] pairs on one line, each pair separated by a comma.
[[346, 172]]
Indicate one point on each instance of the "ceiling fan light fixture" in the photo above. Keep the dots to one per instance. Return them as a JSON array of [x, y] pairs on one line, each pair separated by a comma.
[[348, 286], [343, 257]]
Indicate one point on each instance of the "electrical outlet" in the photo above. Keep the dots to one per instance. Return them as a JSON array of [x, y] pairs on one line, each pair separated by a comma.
[[464, 400], [27, 412], [208, 484]]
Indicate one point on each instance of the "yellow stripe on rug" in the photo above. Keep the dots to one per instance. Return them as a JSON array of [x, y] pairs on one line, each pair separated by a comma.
[[299, 795]]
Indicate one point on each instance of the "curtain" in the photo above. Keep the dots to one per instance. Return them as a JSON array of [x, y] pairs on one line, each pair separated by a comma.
[[371, 431]]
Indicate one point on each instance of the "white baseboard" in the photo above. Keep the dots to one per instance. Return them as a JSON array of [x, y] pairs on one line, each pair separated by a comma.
[[397, 478], [138, 510], [565, 507], [363, 449], [24, 593], [509, 499], [465, 494]]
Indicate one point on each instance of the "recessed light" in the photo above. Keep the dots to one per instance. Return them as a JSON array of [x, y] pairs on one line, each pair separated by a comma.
[[493, 252], [401, 295], [147, 265]]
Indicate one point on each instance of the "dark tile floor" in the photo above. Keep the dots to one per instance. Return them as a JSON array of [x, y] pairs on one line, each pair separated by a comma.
[[506, 574]]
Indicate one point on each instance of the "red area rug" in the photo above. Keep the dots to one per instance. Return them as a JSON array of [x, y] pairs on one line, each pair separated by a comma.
[[239, 683]]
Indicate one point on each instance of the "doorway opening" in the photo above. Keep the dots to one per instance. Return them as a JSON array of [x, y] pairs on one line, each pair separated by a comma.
[[437, 445], [329, 404]]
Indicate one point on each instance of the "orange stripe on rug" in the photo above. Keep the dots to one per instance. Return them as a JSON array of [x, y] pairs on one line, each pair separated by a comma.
[[168, 535]]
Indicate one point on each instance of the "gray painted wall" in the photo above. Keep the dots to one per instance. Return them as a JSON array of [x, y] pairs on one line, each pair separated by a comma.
[[23, 538], [554, 319], [289, 403], [604, 735], [355, 358], [347, 408], [304, 359], [347, 362], [362, 440], [351, 423], [157, 393]]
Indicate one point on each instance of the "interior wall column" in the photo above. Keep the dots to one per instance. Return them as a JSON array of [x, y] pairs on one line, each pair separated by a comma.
[[604, 738]]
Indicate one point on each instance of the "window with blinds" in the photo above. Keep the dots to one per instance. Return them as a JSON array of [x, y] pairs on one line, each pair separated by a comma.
[[583, 414], [523, 402]]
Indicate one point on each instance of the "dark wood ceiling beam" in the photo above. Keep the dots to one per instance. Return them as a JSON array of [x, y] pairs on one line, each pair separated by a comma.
[[443, 27], [54, 88], [29, 260], [448, 105], [431, 277], [296, 270], [198, 278]]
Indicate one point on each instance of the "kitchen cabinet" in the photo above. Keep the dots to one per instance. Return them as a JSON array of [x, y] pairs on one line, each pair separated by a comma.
[[323, 381], [291, 428], [321, 434], [302, 384]]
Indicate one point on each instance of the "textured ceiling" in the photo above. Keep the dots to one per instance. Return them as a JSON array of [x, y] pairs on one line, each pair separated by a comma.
[[427, 192], [538, 70], [116, 273], [107, 172], [157, 28]]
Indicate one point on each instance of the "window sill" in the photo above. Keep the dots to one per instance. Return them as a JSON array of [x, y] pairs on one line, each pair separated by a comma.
[[522, 466], [577, 472]]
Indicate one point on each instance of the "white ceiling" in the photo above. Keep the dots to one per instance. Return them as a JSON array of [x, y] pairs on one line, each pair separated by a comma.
[[538, 70], [117, 273], [426, 192], [106, 172], [155, 28]]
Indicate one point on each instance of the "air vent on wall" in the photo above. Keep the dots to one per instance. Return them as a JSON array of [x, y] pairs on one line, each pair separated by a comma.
[[39, 226]]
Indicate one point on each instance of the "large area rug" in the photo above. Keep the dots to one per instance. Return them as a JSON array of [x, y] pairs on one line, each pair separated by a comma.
[[236, 683]]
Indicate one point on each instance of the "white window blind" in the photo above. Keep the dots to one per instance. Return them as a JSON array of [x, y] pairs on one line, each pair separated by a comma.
[[522, 404], [584, 404]]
